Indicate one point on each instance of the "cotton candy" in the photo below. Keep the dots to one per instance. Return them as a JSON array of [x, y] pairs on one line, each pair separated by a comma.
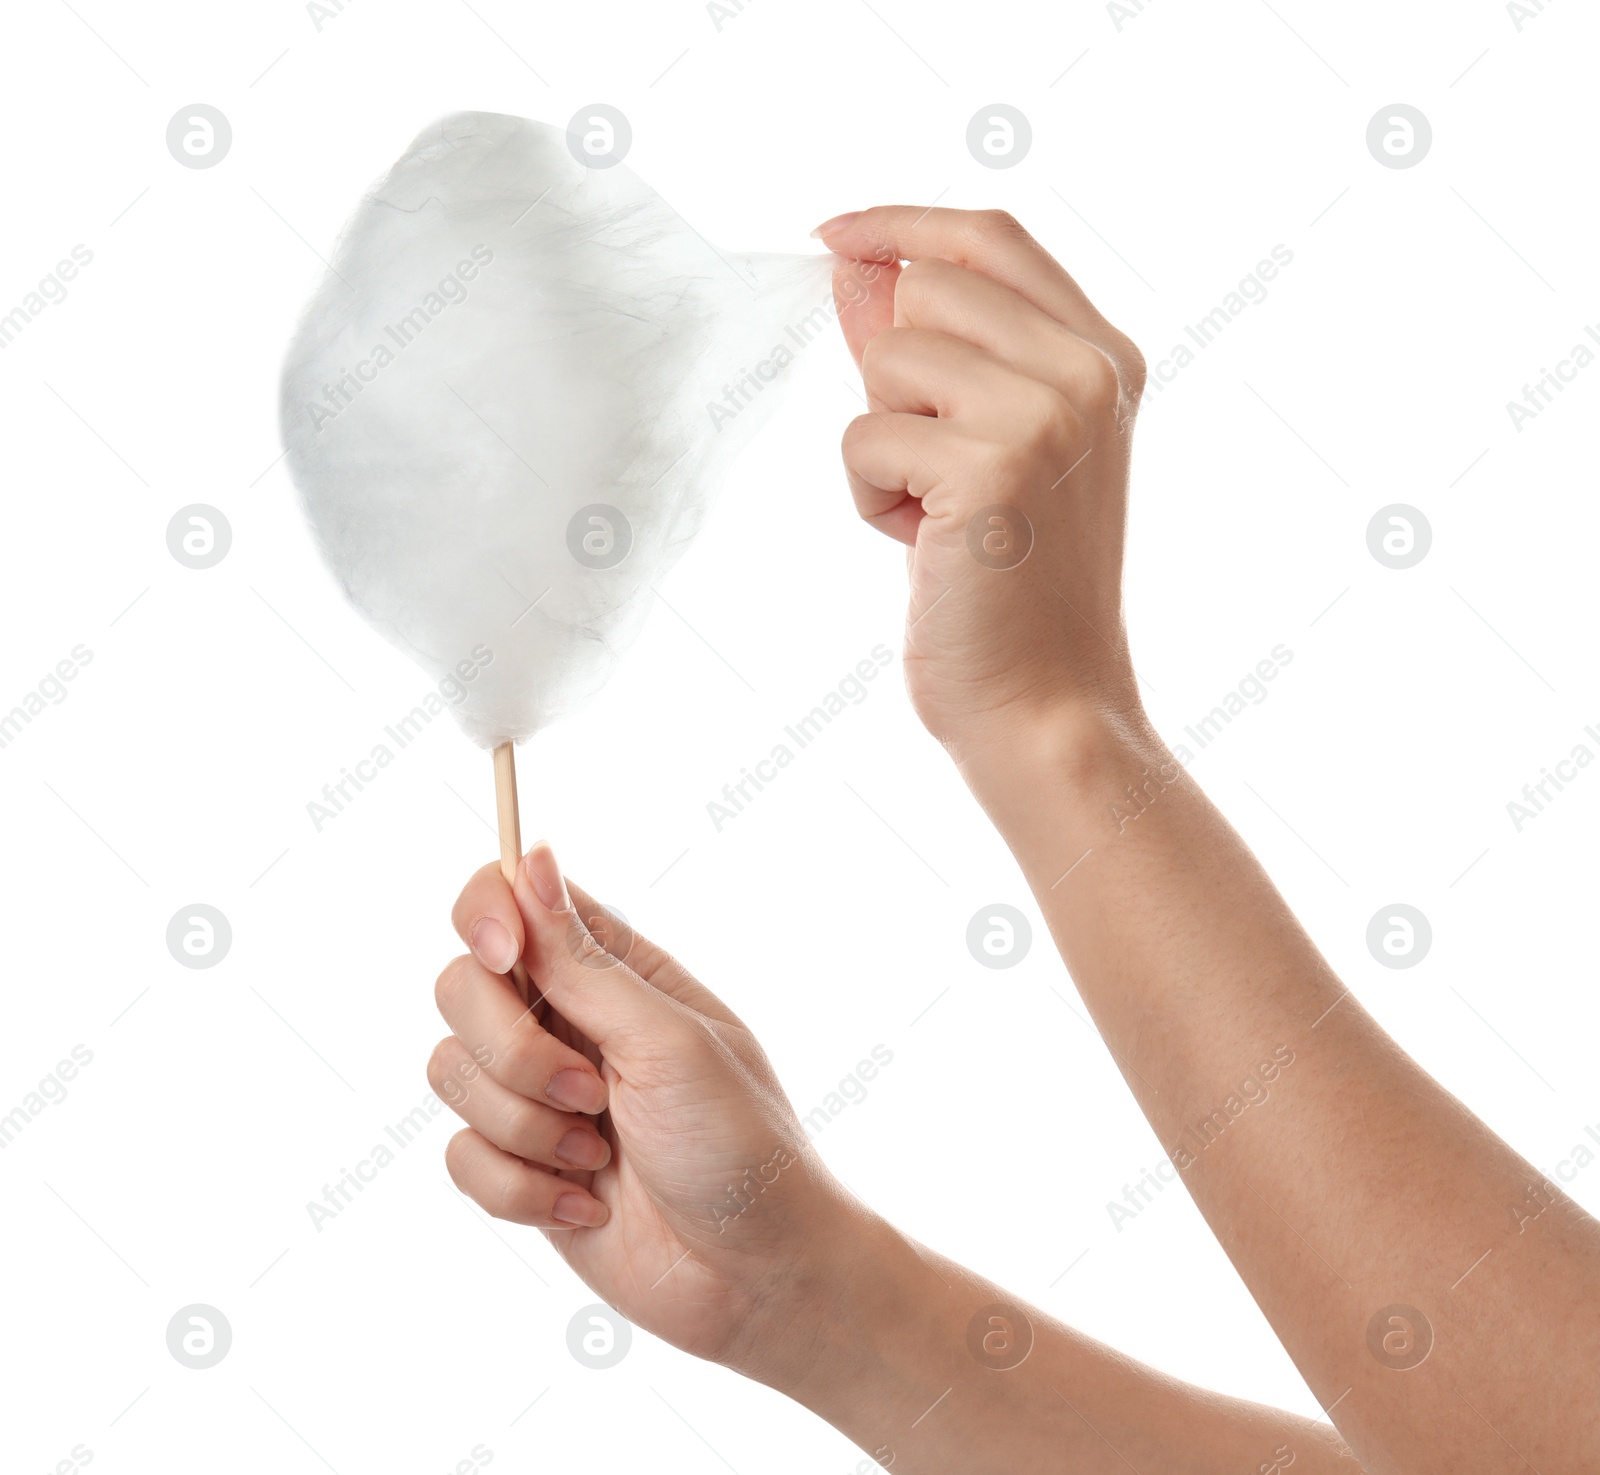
[[510, 402]]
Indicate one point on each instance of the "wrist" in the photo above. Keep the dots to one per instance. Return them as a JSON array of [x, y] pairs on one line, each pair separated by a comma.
[[903, 1332], [1070, 783], [1070, 749], [855, 1287], [804, 1332], [884, 1328]]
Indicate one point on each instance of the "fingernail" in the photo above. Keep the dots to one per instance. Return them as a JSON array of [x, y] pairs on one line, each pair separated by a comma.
[[545, 877], [496, 949], [577, 1090], [837, 223], [583, 1148], [579, 1209]]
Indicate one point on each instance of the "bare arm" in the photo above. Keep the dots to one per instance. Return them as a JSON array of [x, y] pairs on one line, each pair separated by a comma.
[[1383, 1229], [1372, 1216], [930, 1369], [703, 1214]]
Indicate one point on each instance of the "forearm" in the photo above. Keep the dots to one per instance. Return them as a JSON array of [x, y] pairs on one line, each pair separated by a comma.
[[934, 1371], [1339, 1177]]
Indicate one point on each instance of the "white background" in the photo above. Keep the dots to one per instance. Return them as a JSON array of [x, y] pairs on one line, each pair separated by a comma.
[[1169, 156]]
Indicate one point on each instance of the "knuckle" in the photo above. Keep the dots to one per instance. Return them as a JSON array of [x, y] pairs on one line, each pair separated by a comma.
[[872, 353], [498, 1190], [880, 351], [1096, 385], [527, 1131], [919, 279], [474, 896], [912, 277], [998, 225], [520, 1057], [514, 1194], [451, 985], [1135, 370], [1044, 416], [1009, 465], [595, 939], [525, 1203], [439, 1063], [858, 435], [457, 1157]]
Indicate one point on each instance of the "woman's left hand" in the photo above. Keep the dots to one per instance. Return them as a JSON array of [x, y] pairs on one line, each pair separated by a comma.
[[679, 1184]]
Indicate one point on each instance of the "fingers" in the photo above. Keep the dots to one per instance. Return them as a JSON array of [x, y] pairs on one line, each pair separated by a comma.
[[935, 294], [499, 1031], [953, 427], [892, 462], [527, 1129], [921, 372], [486, 918], [502, 1184], [988, 241], [992, 243], [864, 293], [586, 983], [650, 961]]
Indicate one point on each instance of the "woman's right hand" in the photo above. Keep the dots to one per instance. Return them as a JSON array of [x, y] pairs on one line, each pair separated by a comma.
[[996, 446]]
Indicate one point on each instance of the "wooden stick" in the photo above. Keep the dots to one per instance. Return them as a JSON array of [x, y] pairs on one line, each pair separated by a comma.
[[505, 796]]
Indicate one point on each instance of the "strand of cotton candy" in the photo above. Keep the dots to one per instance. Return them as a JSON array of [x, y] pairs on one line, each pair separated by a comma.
[[506, 338]]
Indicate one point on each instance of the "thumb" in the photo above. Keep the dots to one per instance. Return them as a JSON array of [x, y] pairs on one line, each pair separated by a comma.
[[589, 985]]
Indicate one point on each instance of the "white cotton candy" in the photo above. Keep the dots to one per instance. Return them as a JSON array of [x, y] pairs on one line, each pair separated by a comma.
[[506, 338]]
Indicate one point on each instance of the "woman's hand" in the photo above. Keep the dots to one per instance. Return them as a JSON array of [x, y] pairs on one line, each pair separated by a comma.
[[710, 1222], [991, 380], [637, 1123], [996, 445]]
